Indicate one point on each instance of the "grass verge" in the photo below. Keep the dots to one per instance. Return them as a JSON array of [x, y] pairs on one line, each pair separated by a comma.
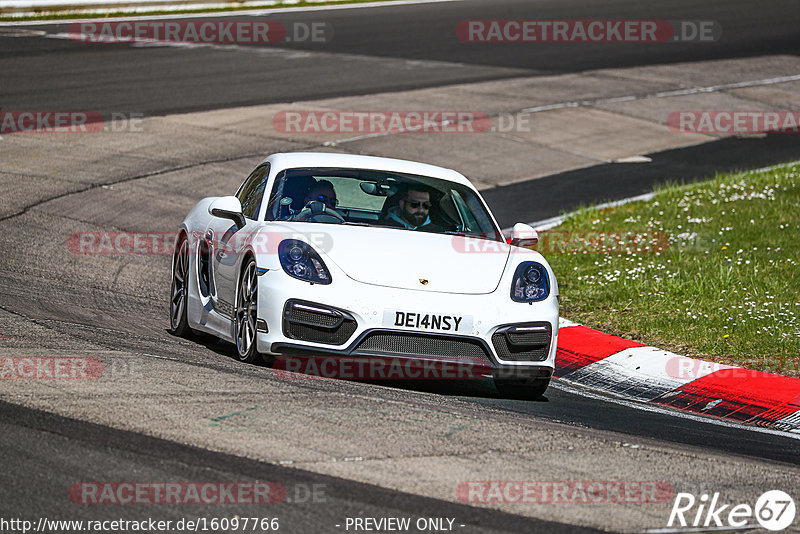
[[709, 270], [112, 14]]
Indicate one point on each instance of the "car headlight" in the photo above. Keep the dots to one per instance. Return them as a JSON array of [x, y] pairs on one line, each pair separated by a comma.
[[530, 282], [301, 261]]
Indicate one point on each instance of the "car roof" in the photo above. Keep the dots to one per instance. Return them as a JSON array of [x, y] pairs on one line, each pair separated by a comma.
[[290, 160]]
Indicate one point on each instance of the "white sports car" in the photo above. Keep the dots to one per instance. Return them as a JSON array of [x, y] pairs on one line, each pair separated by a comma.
[[363, 258]]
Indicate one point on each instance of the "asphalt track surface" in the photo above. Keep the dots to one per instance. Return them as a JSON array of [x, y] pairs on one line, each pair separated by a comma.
[[57, 73], [387, 49], [126, 456]]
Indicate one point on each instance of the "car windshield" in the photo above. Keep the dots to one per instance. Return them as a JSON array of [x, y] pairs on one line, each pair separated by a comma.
[[379, 198]]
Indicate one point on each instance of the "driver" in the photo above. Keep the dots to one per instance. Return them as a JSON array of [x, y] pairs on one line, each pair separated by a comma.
[[322, 191], [412, 211]]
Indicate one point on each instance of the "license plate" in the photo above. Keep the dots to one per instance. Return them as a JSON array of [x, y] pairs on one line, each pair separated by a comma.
[[436, 322]]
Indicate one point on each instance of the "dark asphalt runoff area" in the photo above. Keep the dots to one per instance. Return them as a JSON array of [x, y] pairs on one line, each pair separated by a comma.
[[553, 195]]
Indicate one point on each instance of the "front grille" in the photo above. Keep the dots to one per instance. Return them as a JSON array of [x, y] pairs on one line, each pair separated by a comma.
[[337, 336], [312, 318], [423, 346], [523, 346], [327, 325], [529, 338]]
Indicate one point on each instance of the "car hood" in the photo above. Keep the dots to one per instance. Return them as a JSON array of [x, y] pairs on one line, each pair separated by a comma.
[[406, 259]]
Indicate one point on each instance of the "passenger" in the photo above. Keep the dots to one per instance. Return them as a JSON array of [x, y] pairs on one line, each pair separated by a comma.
[[322, 191]]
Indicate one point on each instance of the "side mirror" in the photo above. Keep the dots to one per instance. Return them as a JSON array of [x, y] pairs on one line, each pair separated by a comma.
[[523, 235], [228, 208]]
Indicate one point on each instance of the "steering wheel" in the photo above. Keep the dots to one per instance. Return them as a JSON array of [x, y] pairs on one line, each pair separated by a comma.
[[317, 211]]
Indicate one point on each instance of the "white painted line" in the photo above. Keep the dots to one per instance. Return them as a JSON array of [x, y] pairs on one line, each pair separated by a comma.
[[546, 224], [244, 13], [31, 4], [663, 94], [552, 222], [634, 159], [560, 105], [272, 50], [734, 85], [360, 138], [163, 357], [289, 54], [776, 166], [11, 32]]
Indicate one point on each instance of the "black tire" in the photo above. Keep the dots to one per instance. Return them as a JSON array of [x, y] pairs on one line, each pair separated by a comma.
[[525, 389], [179, 325], [245, 314]]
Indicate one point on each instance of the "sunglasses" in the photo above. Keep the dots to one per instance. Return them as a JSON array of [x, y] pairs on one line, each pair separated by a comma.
[[415, 204]]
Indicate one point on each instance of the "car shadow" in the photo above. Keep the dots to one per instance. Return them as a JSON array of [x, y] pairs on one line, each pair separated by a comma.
[[476, 387]]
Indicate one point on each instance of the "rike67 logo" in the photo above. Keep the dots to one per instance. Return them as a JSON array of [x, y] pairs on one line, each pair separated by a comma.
[[774, 510]]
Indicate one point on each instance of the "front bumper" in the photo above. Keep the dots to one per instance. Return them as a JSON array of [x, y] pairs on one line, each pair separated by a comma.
[[350, 319]]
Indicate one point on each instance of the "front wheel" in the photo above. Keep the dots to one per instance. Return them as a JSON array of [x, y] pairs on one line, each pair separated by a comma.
[[179, 289], [528, 389], [246, 314]]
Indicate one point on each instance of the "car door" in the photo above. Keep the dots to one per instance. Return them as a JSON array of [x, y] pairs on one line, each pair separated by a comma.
[[228, 240]]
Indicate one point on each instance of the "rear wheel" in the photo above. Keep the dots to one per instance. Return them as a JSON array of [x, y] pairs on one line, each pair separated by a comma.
[[179, 325], [522, 389], [246, 314]]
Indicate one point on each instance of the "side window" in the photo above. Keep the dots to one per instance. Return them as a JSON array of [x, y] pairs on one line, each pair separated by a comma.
[[252, 191]]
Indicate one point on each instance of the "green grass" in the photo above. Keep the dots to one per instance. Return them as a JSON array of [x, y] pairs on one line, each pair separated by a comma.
[[77, 14], [726, 287]]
